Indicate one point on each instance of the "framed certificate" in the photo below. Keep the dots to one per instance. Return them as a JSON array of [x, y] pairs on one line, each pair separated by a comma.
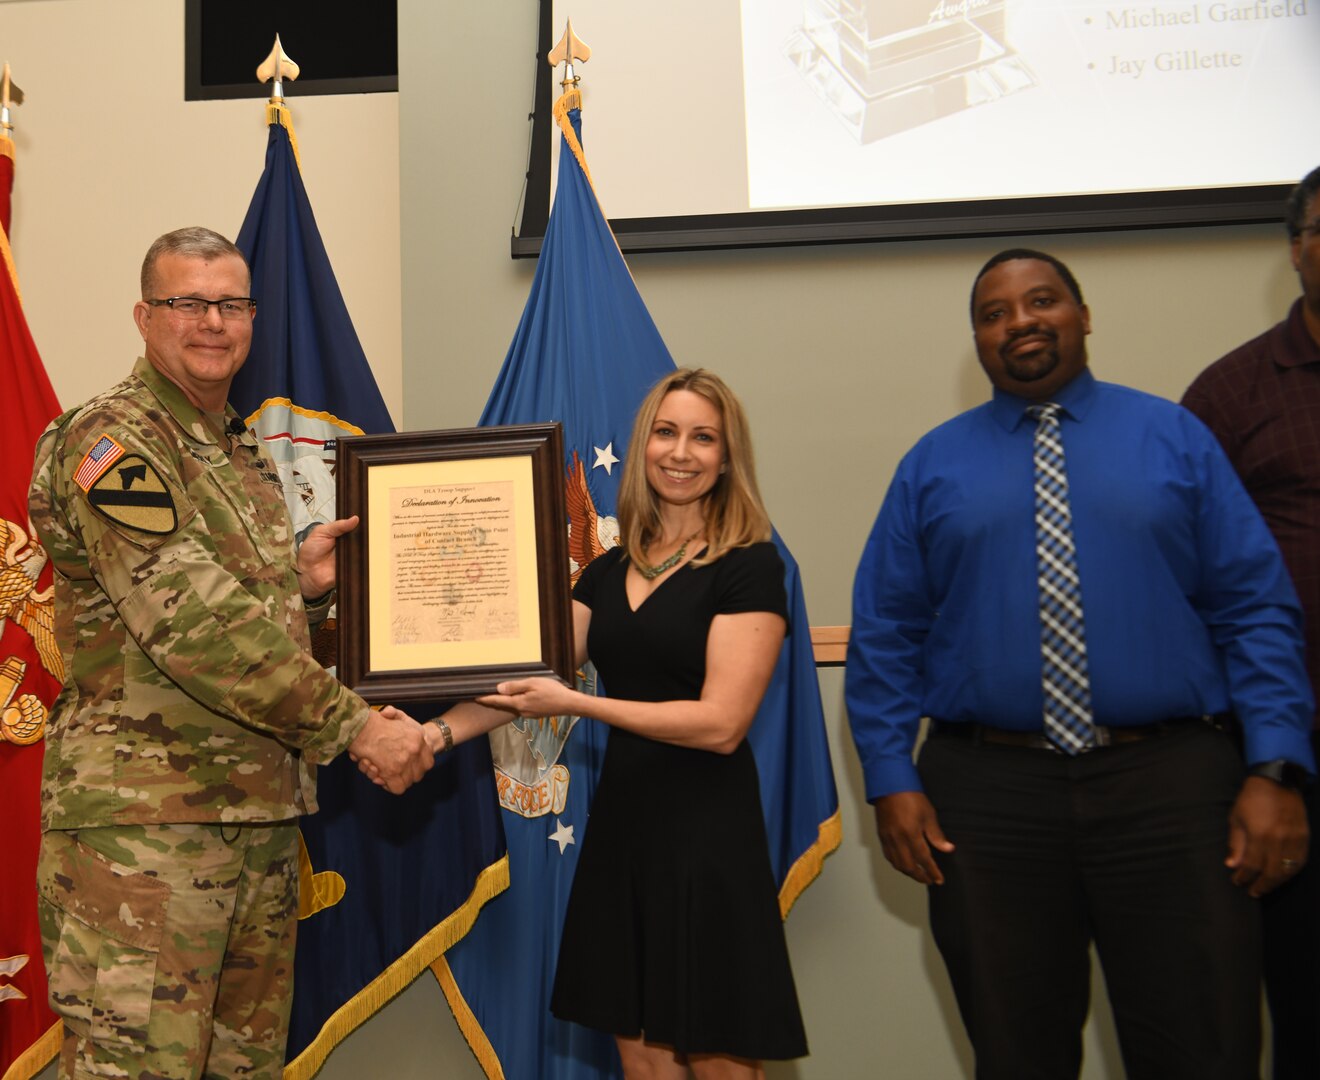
[[457, 576]]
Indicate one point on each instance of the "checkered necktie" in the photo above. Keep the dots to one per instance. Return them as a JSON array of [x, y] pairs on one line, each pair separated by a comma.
[[1064, 678]]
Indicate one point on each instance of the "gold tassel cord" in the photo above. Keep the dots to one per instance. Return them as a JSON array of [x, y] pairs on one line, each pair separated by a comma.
[[572, 99], [278, 113]]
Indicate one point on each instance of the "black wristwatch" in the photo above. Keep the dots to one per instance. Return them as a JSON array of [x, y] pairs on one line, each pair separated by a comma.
[[1286, 773]]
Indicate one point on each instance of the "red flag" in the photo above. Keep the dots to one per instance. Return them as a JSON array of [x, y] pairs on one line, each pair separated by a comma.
[[30, 676]]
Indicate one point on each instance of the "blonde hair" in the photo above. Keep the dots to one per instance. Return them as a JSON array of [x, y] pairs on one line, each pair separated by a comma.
[[734, 514]]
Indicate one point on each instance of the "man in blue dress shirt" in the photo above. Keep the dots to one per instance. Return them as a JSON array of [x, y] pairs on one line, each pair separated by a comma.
[[1142, 830]]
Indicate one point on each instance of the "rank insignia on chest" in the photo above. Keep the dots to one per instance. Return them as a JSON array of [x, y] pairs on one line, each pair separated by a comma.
[[132, 493]]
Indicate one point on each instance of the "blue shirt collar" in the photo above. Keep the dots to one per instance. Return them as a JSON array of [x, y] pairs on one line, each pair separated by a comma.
[[1074, 400]]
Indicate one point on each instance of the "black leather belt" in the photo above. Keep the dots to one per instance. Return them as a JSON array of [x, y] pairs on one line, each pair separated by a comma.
[[1104, 736]]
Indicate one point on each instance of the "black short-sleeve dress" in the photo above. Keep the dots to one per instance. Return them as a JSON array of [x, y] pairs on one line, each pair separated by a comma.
[[673, 927]]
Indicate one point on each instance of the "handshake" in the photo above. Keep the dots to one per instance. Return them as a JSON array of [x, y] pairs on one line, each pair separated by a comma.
[[395, 751]]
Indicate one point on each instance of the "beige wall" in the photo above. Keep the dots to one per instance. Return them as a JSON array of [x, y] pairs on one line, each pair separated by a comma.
[[844, 356], [109, 156]]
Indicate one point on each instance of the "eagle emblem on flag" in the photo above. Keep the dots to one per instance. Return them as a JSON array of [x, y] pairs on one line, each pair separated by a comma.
[[23, 716]]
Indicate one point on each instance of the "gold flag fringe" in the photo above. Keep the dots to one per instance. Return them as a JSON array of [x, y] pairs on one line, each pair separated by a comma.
[[278, 113], [7, 147], [467, 1021], [394, 979], [42, 1052], [808, 865], [298, 410]]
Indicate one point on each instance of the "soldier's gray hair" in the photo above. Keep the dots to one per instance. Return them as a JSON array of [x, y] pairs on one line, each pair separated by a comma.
[[194, 242]]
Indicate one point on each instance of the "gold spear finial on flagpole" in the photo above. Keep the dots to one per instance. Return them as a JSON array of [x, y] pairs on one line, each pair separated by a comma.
[[9, 95], [570, 48], [279, 67]]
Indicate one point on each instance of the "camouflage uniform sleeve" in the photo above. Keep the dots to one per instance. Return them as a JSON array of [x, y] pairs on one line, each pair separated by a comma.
[[319, 608], [209, 598]]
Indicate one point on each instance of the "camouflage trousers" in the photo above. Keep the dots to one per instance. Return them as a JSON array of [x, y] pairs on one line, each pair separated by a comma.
[[169, 948]]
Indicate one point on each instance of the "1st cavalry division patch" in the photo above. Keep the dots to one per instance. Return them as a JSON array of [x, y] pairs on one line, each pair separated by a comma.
[[132, 493]]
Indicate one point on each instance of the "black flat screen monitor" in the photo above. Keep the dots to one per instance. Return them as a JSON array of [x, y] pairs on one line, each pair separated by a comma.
[[776, 122]]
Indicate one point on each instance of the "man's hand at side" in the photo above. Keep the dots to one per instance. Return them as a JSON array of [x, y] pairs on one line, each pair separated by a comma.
[[908, 828], [1267, 835], [392, 751]]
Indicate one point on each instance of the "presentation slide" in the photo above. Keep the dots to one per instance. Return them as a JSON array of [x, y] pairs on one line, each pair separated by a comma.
[[715, 107]]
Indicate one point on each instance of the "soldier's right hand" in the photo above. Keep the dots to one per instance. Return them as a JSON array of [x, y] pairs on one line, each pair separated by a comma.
[[392, 751], [908, 828]]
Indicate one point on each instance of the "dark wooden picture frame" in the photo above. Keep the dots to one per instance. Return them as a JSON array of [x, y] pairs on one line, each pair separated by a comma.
[[449, 455]]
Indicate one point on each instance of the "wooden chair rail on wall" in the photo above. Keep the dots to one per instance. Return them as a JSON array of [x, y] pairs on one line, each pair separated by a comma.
[[830, 644]]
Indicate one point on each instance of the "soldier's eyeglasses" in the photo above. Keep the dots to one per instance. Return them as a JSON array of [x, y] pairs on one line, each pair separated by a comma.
[[1312, 227], [194, 307]]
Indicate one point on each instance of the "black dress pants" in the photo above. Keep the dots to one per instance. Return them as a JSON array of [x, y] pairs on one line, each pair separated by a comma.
[[1123, 847], [1292, 962]]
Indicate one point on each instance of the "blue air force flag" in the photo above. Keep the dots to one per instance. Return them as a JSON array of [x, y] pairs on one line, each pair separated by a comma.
[[585, 352]]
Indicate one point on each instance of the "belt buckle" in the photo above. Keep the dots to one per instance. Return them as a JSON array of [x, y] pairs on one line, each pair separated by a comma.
[[1103, 737]]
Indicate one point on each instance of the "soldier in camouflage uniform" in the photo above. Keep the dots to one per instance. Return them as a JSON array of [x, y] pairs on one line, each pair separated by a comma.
[[182, 748]]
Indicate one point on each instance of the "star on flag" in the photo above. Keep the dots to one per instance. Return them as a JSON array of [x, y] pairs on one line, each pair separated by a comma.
[[606, 458], [563, 836]]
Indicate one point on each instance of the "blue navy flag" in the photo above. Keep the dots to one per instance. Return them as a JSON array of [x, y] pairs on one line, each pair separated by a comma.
[[586, 351], [306, 381], [387, 883]]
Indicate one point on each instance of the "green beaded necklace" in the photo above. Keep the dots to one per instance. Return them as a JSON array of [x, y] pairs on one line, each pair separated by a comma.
[[652, 572]]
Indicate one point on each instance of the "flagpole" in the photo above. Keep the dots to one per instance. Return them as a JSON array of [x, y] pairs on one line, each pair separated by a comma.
[[9, 95], [570, 48]]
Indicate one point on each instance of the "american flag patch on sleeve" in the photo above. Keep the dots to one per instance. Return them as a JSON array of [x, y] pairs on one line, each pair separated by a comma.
[[99, 458]]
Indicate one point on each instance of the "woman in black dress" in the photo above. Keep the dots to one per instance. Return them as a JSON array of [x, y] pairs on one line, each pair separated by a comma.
[[673, 940]]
